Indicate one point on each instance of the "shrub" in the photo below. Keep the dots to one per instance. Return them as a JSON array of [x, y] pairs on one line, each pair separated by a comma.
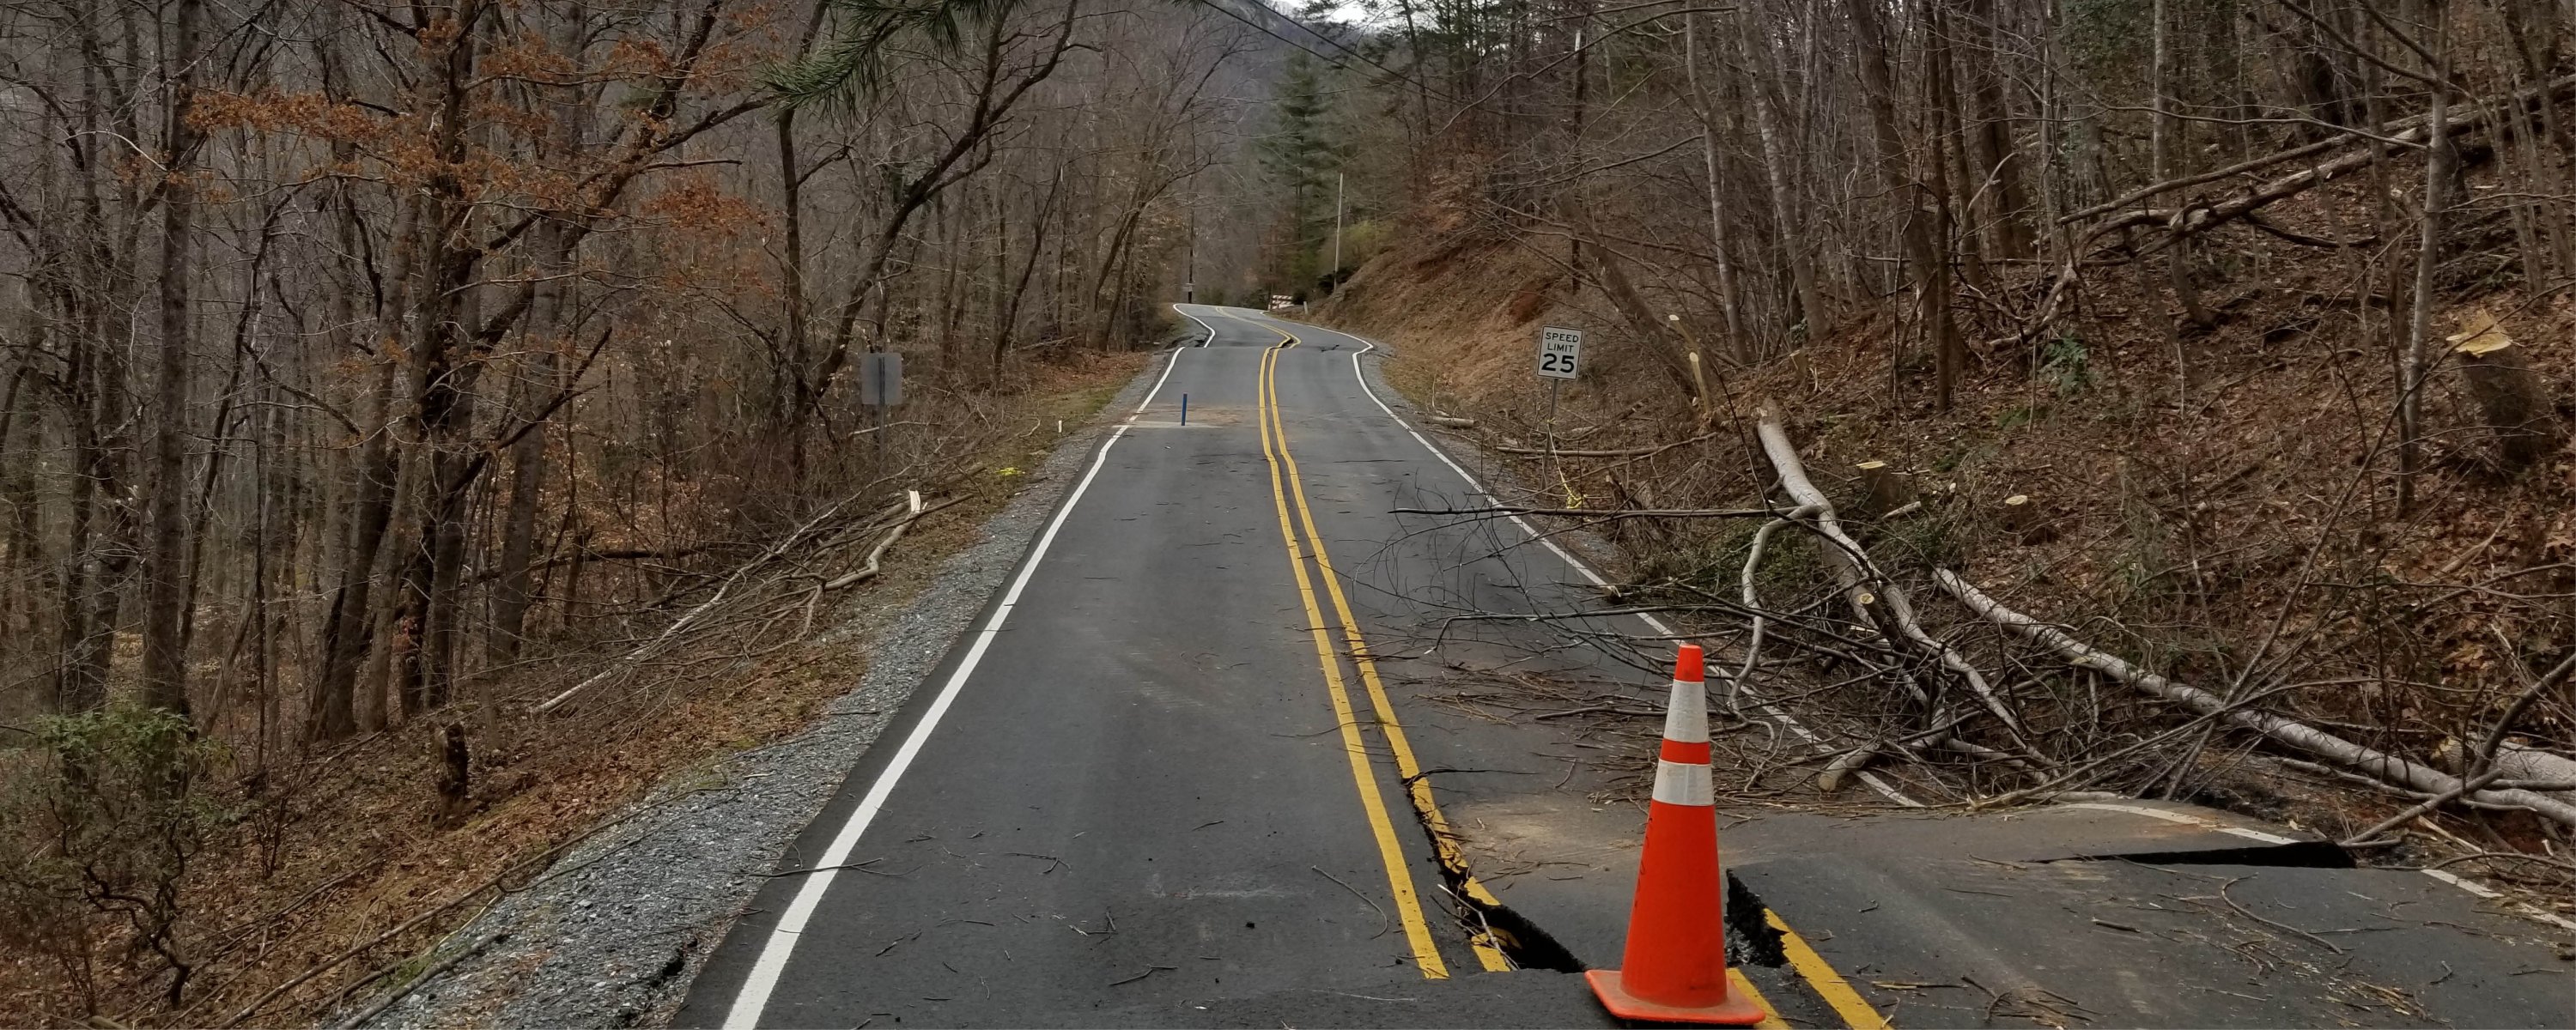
[[2066, 366], [98, 822]]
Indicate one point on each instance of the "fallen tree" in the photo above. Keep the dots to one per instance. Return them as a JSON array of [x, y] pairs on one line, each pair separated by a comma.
[[828, 528], [1873, 597], [1614, 452], [2393, 130], [2192, 219], [2289, 732]]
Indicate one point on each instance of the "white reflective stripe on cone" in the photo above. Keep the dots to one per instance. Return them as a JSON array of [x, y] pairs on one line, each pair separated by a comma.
[[1684, 783], [1686, 715]]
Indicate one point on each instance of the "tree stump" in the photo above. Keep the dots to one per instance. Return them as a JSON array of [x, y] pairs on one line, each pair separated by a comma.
[[2512, 399], [1883, 488], [2023, 518], [455, 784]]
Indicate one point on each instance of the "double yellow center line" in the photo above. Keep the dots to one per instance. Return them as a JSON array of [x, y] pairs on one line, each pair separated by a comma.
[[1286, 485]]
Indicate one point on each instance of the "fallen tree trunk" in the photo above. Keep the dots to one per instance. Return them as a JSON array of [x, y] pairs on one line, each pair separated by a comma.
[[1615, 452], [2195, 219], [1604, 514], [628, 660], [1864, 587], [2059, 286], [2286, 731], [876, 555], [2279, 157]]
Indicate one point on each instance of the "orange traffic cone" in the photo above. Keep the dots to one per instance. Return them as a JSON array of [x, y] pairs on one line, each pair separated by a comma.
[[1675, 968]]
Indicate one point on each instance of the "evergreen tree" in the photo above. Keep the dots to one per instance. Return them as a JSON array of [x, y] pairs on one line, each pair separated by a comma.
[[1301, 155]]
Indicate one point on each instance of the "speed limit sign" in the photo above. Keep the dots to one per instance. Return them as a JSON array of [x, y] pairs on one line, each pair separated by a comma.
[[1560, 352]]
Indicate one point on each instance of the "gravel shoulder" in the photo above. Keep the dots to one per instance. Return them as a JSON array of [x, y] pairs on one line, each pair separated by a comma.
[[613, 934]]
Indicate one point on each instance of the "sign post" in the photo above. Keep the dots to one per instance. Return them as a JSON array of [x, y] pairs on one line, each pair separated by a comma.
[[1560, 357], [881, 388]]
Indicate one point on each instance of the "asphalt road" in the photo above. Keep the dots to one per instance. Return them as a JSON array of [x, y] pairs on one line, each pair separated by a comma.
[[1162, 784], [1189, 768]]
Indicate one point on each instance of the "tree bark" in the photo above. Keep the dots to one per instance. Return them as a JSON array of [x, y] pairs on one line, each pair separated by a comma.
[[1704, 109], [1796, 251], [1991, 139], [102, 541], [2419, 326], [2512, 398], [165, 563], [510, 598], [1931, 273], [1669, 350]]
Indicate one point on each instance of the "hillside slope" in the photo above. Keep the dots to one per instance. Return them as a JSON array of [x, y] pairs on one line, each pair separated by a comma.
[[2222, 507]]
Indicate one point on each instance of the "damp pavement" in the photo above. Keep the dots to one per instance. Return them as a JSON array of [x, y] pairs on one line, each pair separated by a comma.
[[1148, 756]]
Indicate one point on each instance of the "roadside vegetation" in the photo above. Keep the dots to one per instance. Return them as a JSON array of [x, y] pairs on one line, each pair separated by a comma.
[[2188, 382], [424, 429]]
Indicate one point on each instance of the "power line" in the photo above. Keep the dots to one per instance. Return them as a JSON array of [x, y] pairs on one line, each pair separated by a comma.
[[1221, 7], [1339, 45]]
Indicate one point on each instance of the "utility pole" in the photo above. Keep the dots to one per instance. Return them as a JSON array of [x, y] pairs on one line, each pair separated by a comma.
[[1190, 280], [1336, 273]]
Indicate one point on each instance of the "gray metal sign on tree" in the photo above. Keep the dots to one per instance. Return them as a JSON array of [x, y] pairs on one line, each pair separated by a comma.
[[881, 379]]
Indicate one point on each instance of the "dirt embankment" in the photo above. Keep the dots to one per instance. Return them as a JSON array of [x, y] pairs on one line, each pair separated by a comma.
[[2223, 506]]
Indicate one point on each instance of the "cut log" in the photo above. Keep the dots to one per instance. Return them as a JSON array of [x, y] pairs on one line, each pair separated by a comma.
[[1843, 765], [1453, 423], [2518, 763], [2288, 732], [2511, 397]]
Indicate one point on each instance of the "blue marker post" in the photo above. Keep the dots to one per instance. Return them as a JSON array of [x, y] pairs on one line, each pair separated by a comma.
[[1185, 409]]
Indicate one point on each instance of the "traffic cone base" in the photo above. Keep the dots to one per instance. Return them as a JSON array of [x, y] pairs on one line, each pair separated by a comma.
[[1734, 1010]]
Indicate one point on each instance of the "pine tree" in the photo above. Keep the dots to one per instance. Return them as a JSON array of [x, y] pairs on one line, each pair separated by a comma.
[[1300, 155]]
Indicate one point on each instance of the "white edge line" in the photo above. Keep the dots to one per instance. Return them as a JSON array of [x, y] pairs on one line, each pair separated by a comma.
[[2181, 817], [1658, 625], [1211, 330], [2490, 893], [2444, 875], [753, 998]]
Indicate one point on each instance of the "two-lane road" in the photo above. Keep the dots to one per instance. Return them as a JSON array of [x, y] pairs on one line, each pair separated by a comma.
[[1161, 781], [1183, 773]]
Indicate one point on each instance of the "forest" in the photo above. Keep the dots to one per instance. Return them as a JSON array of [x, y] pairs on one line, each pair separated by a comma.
[[399, 403], [418, 422]]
